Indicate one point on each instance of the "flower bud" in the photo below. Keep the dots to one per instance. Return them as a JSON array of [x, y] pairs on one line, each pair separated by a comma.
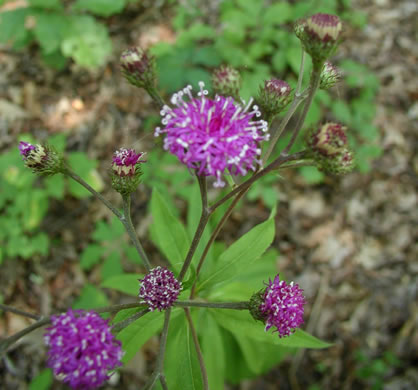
[[279, 305], [329, 148], [126, 170], [274, 96], [138, 67], [330, 76], [319, 35], [226, 81], [42, 159], [159, 289]]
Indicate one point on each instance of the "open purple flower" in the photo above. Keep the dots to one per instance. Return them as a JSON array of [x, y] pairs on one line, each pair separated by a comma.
[[282, 306], [159, 289], [213, 135], [82, 349], [25, 148], [125, 160]]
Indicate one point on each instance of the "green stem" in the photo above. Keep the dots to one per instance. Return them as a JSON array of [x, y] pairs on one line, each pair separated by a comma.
[[127, 222], [152, 91], [204, 218], [123, 324], [214, 235], [262, 172], [158, 372], [298, 98], [198, 350], [213, 305], [313, 86], [19, 312], [99, 196]]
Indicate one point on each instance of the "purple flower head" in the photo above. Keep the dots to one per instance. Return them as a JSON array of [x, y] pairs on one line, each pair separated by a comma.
[[82, 349], [159, 289], [213, 135], [25, 148], [282, 306], [125, 160], [324, 27]]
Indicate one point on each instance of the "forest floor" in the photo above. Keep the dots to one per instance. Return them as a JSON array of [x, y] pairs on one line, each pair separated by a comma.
[[351, 242]]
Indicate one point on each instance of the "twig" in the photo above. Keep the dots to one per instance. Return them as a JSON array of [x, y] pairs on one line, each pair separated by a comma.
[[214, 235], [213, 305], [313, 86], [262, 172], [123, 324], [299, 97], [160, 358], [99, 196], [131, 231], [19, 312], [204, 217], [198, 350]]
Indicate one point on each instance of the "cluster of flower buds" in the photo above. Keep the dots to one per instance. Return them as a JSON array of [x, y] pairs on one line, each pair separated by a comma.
[[330, 76], [226, 81], [126, 170], [274, 97], [328, 146], [319, 35], [159, 289], [82, 349], [42, 159], [279, 305], [138, 67]]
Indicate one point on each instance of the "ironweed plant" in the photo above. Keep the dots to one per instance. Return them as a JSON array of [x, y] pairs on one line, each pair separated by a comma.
[[205, 301]]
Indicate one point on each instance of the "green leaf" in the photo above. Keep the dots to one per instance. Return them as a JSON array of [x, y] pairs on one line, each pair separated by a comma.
[[240, 254], [185, 374], [312, 175], [40, 243], [242, 323], [87, 42], [111, 265], [36, 207], [55, 186], [106, 232], [90, 298], [12, 25], [170, 234], [134, 336], [341, 111], [50, 29], [100, 7], [91, 256], [213, 351], [278, 13], [206, 55], [126, 283], [42, 381]]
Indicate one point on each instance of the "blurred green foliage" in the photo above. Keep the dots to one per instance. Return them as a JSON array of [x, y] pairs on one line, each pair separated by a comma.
[[62, 31], [24, 199], [373, 371]]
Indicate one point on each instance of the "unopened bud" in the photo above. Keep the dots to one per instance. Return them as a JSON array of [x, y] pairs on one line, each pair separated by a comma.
[[126, 170], [329, 148], [138, 67], [42, 159], [320, 35], [330, 76], [226, 81], [274, 96]]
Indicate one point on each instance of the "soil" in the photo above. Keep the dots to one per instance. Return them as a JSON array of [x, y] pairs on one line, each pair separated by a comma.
[[351, 242]]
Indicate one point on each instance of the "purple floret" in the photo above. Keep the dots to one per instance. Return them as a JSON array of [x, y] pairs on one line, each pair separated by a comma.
[[82, 349], [159, 289], [283, 306], [124, 161], [213, 135], [25, 148]]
